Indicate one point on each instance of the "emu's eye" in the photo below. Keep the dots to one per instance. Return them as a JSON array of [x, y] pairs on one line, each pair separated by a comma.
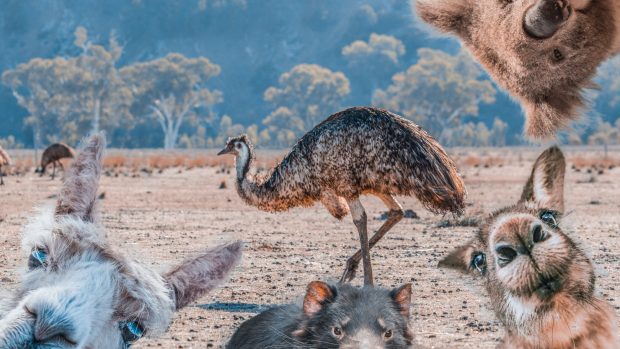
[[238, 145], [388, 334], [131, 331], [549, 218], [38, 258], [337, 331], [479, 262]]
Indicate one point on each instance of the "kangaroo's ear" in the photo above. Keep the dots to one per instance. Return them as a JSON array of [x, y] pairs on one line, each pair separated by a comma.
[[545, 187], [449, 16], [461, 259], [317, 295], [402, 298], [196, 277], [78, 195]]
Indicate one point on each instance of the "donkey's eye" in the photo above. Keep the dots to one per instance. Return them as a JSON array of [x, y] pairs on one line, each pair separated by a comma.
[[479, 262], [38, 258], [549, 218], [131, 331]]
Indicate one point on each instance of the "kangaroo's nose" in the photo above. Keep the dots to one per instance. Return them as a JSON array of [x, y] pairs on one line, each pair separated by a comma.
[[51, 324], [505, 254], [538, 235]]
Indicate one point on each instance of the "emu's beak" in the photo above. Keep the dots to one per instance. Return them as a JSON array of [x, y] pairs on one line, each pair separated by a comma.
[[226, 150]]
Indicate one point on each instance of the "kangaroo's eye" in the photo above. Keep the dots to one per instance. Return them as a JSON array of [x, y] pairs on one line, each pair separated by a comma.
[[131, 331], [388, 334], [479, 261], [549, 218], [337, 331], [38, 258]]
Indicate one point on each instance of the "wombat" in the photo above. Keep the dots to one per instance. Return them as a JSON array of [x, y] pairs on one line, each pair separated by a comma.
[[333, 316]]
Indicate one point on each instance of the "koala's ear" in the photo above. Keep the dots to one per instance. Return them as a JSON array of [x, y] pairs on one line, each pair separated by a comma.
[[449, 16], [317, 295], [459, 259], [545, 187]]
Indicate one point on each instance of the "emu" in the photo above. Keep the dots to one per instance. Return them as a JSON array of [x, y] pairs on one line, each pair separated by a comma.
[[52, 155], [358, 151], [79, 292], [5, 160]]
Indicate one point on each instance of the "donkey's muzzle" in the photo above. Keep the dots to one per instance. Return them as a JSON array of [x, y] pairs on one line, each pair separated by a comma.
[[546, 17]]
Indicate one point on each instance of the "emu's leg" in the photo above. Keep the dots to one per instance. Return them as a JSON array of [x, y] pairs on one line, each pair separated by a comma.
[[54, 170], [394, 216], [1, 176], [360, 221]]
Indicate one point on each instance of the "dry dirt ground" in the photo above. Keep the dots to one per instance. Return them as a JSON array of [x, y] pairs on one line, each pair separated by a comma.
[[162, 218]]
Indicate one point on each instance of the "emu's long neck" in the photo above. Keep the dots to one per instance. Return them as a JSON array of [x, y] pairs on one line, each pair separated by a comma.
[[265, 194]]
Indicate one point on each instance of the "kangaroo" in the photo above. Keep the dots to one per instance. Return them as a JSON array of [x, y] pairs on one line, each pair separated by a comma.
[[541, 284], [544, 52], [333, 316]]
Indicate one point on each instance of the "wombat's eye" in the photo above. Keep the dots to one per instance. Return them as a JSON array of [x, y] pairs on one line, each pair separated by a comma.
[[479, 261], [337, 331], [388, 334], [549, 218]]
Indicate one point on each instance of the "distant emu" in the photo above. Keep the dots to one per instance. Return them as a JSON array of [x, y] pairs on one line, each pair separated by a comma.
[[52, 155], [5, 160], [79, 292], [355, 152], [540, 283]]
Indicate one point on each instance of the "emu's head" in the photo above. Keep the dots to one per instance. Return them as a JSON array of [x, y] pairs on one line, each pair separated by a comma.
[[532, 270], [78, 292], [544, 52]]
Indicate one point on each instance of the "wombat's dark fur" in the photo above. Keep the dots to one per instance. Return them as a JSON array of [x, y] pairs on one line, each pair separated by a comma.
[[333, 316]]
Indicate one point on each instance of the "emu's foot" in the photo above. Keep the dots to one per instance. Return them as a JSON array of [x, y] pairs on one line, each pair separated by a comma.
[[349, 272]]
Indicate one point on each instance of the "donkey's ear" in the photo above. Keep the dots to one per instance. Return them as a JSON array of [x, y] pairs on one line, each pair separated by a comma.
[[196, 277], [317, 295], [449, 16], [459, 259], [545, 187], [79, 191]]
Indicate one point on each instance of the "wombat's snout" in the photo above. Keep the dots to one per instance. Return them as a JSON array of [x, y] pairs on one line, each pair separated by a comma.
[[544, 19]]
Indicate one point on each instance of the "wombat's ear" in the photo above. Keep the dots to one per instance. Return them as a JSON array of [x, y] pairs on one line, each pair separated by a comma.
[[196, 277], [459, 259], [78, 195], [545, 187], [317, 295], [450, 16], [402, 298]]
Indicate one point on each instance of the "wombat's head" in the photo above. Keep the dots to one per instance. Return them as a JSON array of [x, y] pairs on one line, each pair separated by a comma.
[[531, 268], [343, 316], [544, 52]]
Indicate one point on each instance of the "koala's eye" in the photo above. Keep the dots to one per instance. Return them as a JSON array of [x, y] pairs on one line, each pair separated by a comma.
[[337, 331], [479, 261], [131, 331], [38, 258], [549, 218], [388, 334]]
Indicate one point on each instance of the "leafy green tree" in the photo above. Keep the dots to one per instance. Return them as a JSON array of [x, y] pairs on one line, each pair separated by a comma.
[[438, 91], [69, 97], [309, 93], [172, 89], [374, 61]]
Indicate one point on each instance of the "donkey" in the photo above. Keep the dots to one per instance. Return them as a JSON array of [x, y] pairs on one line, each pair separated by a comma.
[[544, 52], [541, 284], [79, 293]]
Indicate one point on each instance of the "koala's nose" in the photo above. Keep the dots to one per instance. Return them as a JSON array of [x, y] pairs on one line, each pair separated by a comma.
[[544, 19], [51, 324]]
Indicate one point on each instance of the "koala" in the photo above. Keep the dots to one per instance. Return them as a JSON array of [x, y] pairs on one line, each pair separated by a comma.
[[543, 52]]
